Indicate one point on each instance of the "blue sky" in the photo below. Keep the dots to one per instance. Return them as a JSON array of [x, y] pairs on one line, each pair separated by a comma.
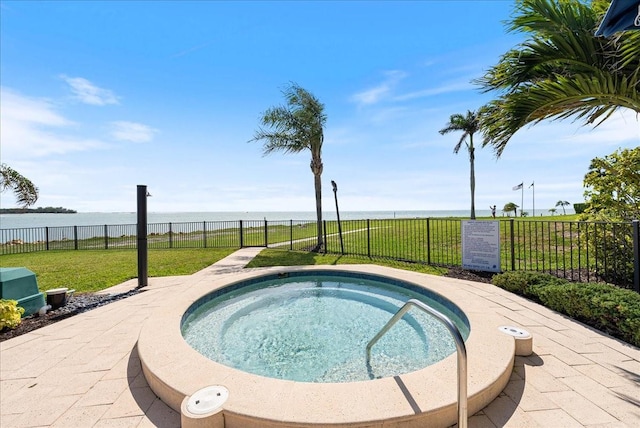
[[98, 97]]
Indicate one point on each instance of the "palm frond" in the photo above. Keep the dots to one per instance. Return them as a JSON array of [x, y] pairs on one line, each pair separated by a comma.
[[562, 70], [468, 124], [293, 127], [25, 191], [591, 98]]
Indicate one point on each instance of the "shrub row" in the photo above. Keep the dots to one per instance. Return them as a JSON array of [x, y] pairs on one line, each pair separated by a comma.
[[613, 310]]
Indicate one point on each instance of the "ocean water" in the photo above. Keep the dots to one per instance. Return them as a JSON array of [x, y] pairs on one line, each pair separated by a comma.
[[17, 221]]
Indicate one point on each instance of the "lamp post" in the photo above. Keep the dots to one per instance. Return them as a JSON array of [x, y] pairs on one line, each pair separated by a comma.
[[143, 264], [335, 195]]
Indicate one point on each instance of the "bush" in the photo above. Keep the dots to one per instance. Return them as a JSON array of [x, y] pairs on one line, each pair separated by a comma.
[[606, 307], [612, 242], [614, 310], [579, 207], [10, 314], [524, 283]]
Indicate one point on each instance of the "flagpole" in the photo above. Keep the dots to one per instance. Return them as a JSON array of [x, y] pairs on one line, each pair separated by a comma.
[[533, 197], [522, 199], [521, 188]]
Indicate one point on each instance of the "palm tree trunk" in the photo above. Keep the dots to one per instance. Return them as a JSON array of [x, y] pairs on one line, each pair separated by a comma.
[[316, 168], [318, 187]]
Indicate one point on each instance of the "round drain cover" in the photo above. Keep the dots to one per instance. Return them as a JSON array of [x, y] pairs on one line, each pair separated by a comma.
[[514, 331], [208, 399]]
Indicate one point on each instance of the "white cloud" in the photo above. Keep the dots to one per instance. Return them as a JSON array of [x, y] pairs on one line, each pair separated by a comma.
[[192, 49], [623, 126], [372, 95], [551, 140], [441, 89], [375, 94], [131, 131], [30, 127], [17, 107], [88, 93]]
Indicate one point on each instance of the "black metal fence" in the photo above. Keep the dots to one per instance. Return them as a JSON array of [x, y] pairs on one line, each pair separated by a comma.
[[579, 251]]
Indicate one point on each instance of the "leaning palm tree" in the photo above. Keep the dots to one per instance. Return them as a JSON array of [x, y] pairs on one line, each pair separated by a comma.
[[293, 128], [24, 190], [469, 125], [563, 204], [561, 70], [510, 206]]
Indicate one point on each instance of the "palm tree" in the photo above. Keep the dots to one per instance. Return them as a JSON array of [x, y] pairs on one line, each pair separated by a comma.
[[552, 210], [562, 70], [293, 128], [469, 125], [24, 190], [562, 204], [510, 206]]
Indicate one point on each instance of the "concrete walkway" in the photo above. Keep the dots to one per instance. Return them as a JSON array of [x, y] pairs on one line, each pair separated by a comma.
[[84, 371]]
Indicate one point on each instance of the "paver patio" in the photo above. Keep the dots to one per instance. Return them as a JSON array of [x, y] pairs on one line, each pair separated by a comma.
[[84, 371]]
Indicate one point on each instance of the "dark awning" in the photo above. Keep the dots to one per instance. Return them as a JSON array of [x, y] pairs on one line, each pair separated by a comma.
[[622, 15]]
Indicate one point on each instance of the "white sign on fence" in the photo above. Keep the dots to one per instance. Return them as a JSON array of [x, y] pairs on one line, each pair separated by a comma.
[[481, 245]]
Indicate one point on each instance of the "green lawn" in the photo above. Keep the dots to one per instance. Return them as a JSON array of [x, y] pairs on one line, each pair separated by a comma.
[[273, 257], [94, 270], [384, 240]]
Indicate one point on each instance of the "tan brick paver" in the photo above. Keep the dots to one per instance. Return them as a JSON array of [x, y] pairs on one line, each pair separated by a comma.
[[85, 372]]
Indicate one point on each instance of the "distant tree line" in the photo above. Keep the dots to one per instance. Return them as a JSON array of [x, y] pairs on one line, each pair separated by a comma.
[[39, 210]]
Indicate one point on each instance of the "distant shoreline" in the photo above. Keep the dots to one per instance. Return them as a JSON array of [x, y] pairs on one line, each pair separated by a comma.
[[39, 210]]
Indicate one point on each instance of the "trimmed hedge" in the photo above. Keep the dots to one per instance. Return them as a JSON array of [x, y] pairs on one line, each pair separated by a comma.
[[579, 207], [525, 283], [613, 310]]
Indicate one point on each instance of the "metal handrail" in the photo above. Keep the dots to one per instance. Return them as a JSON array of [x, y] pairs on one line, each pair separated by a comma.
[[461, 351]]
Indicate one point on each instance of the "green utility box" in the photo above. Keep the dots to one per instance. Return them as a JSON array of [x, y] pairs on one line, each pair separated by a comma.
[[20, 284]]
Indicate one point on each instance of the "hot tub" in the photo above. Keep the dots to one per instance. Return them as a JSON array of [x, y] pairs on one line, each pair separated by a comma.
[[425, 396]]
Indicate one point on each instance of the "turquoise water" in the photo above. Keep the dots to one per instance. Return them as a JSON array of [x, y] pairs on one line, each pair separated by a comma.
[[14, 221], [316, 329]]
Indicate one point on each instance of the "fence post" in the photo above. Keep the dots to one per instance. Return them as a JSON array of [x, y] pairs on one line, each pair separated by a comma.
[[324, 224], [368, 238], [170, 236], [46, 234], [204, 234], [513, 246], [291, 234], [241, 236], [266, 233], [75, 237], [428, 241], [106, 237], [636, 255]]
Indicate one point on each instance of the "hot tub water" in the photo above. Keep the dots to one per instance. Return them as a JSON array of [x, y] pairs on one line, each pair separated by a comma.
[[315, 329]]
